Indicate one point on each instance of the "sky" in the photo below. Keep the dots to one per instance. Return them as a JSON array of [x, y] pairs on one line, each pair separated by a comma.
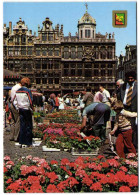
[[68, 14]]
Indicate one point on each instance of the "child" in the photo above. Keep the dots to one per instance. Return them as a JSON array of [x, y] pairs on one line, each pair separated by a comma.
[[124, 129]]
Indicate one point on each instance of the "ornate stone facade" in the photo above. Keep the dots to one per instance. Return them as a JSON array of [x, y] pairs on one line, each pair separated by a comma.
[[127, 62], [59, 63]]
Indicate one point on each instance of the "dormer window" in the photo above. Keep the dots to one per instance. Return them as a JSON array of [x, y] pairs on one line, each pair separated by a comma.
[[87, 33]]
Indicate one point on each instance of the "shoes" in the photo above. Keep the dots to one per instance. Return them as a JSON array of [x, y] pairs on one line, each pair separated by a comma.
[[17, 144], [25, 146]]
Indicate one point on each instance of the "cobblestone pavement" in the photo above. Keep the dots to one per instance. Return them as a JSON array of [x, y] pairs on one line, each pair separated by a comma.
[[15, 152]]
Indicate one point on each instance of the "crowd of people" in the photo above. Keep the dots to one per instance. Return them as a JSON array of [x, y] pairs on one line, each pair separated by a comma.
[[95, 110]]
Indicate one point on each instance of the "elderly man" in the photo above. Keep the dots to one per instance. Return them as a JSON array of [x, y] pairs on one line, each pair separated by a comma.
[[118, 84]]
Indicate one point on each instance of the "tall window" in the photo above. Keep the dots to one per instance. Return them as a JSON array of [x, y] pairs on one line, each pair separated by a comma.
[[50, 80], [44, 37], [110, 72], [93, 33], [79, 52], [50, 37], [73, 52], [50, 51], [23, 50], [44, 80], [16, 39], [96, 72], [103, 72], [81, 34], [38, 65], [44, 64], [17, 51], [44, 51], [109, 53], [10, 51], [37, 51], [66, 52], [30, 51], [56, 80], [23, 39], [56, 51], [37, 80], [87, 33]]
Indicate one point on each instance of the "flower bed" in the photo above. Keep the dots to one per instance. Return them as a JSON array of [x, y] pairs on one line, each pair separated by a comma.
[[34, 175], [64, 116], [65, 137]]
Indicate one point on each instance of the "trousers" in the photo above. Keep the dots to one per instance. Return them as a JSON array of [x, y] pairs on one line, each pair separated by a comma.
[[15, 125], [124, 139]]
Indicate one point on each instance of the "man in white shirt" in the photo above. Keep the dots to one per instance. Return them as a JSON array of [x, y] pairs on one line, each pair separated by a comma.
[[106, 95], [15, 126]]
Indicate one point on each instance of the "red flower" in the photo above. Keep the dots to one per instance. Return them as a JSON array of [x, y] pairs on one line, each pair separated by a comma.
[[5, 169], [72, 181], [65, 161], [81, 173], [132, 180], [124, 189], [9, 181], [123, 168], [113, 162], [61, 186], [100, 157], [52, 189], [54, 162], [86, 180], [105, 165], [52, 176], [96, 187]]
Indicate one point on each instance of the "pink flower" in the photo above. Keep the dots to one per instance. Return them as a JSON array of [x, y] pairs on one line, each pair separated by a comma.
[[29, 157], [35, 159], [8, 166], [131, 155], [124, 189], [113, 162], [116, 157], [7, 158], [10, 163]]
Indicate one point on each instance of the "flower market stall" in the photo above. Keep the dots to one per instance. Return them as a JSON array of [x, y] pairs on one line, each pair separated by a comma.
[[60, 170]]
